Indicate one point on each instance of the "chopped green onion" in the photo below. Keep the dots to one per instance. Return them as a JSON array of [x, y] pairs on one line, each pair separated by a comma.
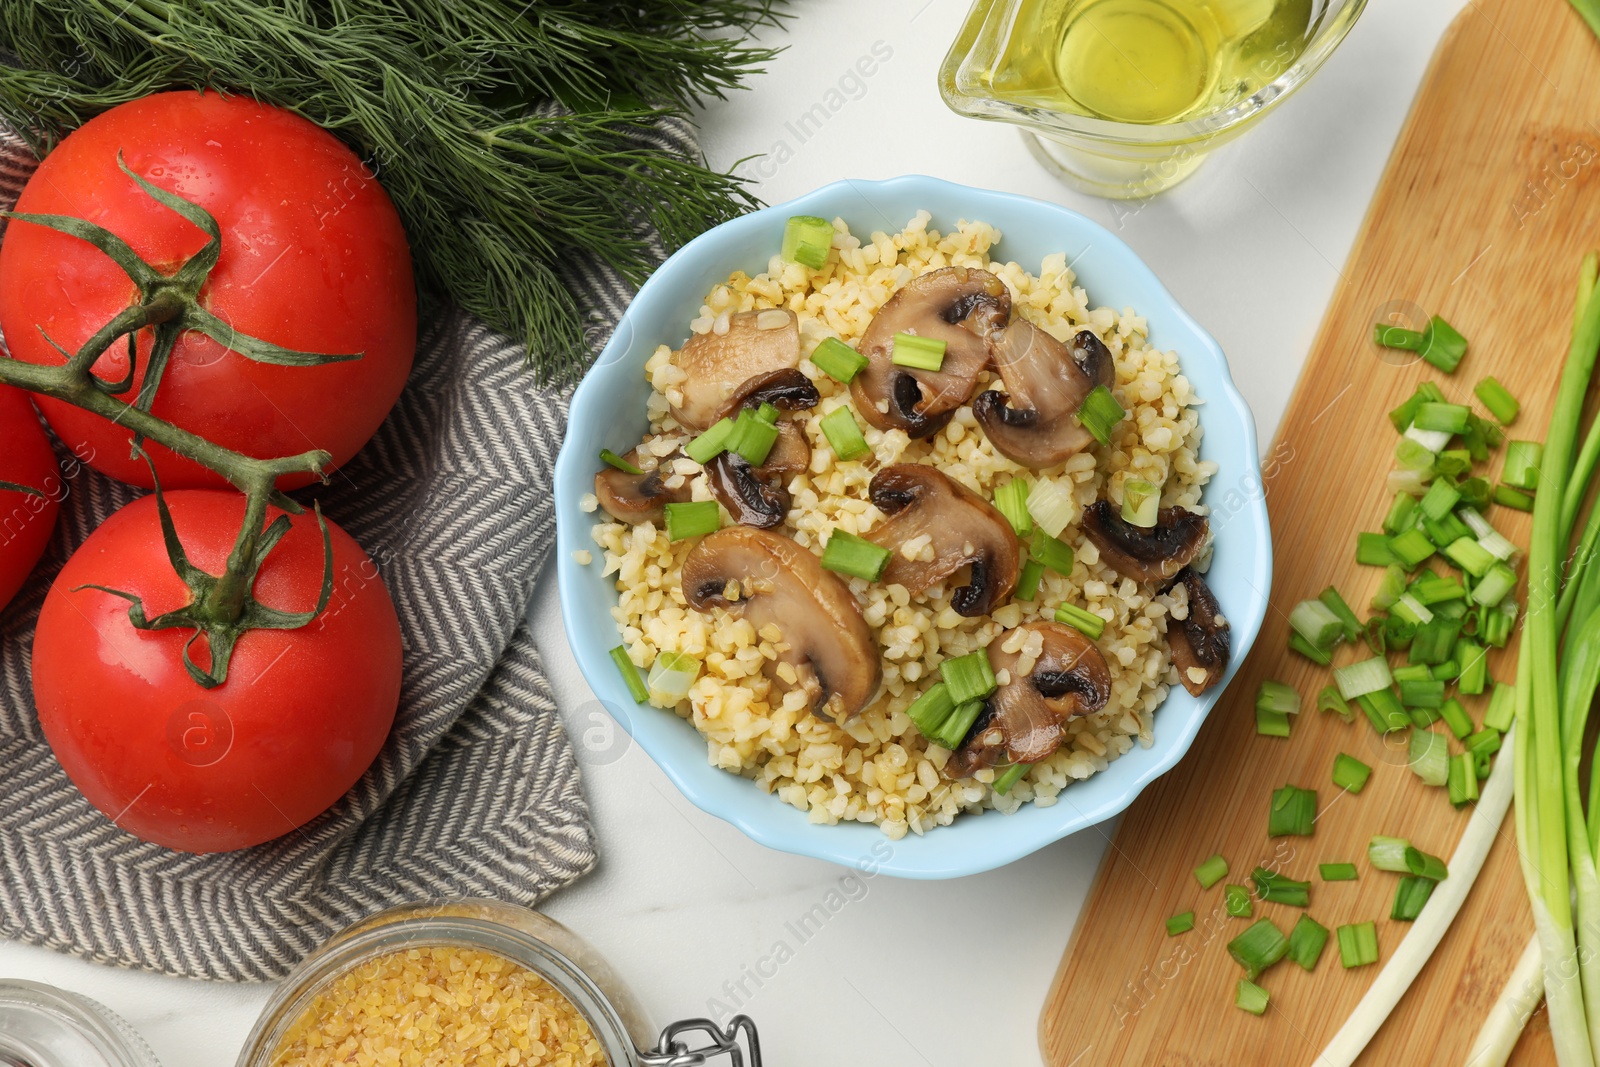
[[1358, 944], [1271, 723], [1052, 508], [692, 518], [1501, 404], [1434, 642], [1347, 618], [1317, 623], [1388, 854], [1028, 580], [1445, 530], [1502, 708], [1449, 418], [1306, 941], [711, 444], [1099, 413], [611, 459], [1474, 660], [1486, 741], [1338, 872], [918, 353], [752, 437], [930, 710], [1400, 513], [1275, 696], [1430, 757], [839, 426], [838, 360], [673, 675], [856, 556], [1411, 548], [1362, 677], [1321, 656], [1483, 763], [1495, 585], [1236, 900], [1447, 671], [954, 729], [1372, 550], [806, 240], [1455, 716], [1405, 414], [1440, 498], [768, 413], [1085, 622], [1330, 700], [1409, 482], [1417, 449], [1431, 589], [1506, 496], [1274, 888], [1384, 711], [1140, 502], [1522, 464], [1293, 812], [1011, 500], [1260, 946], [1463, 784], [1211, 871], [1387, 336], [1470, 556], [1443, 345], [1251, 997], [1349, 773], [1012, 775], [1424, 865], [630, 674], [1054, 553], [1411, 609], [1409, 897], [1453, 463], [969, 677], [1491, 540], [1390, 588], [1422, 694], [1180, 924], [1474, 493]]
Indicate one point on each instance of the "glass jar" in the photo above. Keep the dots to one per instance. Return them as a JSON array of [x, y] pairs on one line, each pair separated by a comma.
[[1102, 156], [572, 966], [45, 1027]]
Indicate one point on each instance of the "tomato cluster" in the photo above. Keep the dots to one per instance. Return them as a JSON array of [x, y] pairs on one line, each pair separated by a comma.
[[312, 259]]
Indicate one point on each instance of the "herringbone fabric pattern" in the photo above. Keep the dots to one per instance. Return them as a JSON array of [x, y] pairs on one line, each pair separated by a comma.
[[476, 792]]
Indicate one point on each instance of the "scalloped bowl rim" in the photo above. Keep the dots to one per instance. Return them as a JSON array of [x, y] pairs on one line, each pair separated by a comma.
[[1106, 267]]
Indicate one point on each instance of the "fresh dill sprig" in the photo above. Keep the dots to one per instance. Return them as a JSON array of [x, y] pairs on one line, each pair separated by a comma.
[[519, 140]]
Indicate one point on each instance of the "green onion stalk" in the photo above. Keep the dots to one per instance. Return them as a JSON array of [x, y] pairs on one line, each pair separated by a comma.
[[1555, 845]]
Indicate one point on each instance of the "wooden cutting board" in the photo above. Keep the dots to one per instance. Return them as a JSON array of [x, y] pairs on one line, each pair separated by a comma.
[[1486, 207]]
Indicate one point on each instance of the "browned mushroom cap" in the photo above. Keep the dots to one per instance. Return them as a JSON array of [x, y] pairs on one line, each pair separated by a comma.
[[1201, 642], [1035, 421], [1146, 554], [788, 389], [1023, 722], [964, 530], [636, 498], [766, 578], [715, 365], [961, 306], [758, 496]]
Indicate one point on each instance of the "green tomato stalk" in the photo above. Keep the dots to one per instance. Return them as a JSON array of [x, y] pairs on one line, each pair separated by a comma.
[[221, 606]]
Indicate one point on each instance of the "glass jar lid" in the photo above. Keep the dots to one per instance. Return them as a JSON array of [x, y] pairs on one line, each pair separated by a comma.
[[45, 1027]]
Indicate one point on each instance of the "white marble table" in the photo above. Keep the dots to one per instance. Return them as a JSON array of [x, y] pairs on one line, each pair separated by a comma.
[[683, 903]]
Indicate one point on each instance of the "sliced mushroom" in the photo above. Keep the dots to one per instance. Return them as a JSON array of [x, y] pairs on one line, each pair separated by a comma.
[[1146, 554], [1201, 642], [766, 578], [636, 498], [961, 306], [715, 365], [758, 496], [1024, 720], [963, 529], [1035, 421]]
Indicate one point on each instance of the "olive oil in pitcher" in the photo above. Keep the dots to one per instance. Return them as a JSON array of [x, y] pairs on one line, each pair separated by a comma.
[[1148, 61]]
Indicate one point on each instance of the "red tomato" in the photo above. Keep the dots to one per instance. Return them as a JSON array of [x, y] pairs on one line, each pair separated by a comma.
[[313, 258], [25, 520], [300, 718]]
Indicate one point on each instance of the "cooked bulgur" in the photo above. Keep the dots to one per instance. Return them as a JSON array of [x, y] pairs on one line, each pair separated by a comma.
[[878, 768], [440, 1007]]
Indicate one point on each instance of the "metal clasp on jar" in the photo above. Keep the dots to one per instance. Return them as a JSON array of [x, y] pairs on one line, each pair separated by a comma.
[[680, 1047]]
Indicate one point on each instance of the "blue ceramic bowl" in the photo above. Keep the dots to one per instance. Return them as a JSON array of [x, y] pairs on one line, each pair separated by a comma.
[[608, 411]]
